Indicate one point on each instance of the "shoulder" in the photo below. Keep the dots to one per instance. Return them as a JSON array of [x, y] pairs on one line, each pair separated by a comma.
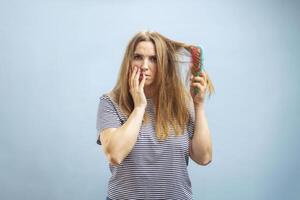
[[108, 103], [109, 96], [108, 100]]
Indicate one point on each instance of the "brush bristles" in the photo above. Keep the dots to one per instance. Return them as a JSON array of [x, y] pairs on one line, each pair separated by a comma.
[[196, 58], [197, 64]]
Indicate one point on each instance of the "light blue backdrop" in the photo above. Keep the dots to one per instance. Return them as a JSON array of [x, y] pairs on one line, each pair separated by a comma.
[[57, 57]]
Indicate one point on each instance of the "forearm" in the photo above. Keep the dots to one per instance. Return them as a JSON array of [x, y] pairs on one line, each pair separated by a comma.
[[201, 148], [121, 140]]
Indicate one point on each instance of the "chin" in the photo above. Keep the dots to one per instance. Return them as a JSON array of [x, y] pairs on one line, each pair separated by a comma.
[[148, 83]]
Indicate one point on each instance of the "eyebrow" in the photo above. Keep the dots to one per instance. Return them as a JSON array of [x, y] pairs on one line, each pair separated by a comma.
[[138, 54]]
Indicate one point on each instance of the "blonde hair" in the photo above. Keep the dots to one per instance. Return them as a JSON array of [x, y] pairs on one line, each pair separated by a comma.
[[170, 111]]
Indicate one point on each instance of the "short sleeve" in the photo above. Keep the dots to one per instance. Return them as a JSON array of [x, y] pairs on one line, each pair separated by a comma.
[[191, 122], [107, 116]]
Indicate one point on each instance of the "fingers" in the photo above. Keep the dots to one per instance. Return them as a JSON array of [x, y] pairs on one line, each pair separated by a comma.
[[198, 85], [136, 78], [198, 79], [131, 78], [133, 82], [202, 75], [143, 82]]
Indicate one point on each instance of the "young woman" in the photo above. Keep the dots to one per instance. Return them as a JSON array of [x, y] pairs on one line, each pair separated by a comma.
[[150, 123]]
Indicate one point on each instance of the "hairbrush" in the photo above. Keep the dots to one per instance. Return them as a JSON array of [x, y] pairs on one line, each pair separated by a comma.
[[197, 63]]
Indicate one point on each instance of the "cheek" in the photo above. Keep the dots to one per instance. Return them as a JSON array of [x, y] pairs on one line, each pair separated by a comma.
[[154, 70], [136, 63]]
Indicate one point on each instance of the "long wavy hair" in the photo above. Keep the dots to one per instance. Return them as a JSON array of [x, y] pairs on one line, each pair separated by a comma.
[[172, 99]]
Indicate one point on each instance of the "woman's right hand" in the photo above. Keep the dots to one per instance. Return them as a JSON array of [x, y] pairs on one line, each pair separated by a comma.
[[136, 88]]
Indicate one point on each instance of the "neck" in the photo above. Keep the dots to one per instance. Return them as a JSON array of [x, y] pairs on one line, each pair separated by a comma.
[[149, 92]]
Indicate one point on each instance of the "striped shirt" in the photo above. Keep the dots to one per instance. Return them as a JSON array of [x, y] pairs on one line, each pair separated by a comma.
[[153, 169]]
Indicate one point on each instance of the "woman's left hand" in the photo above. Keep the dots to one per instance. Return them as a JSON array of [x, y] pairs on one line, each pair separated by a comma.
[[199, 82]]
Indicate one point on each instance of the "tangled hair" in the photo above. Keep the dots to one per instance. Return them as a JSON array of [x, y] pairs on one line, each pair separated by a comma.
[[172, 99]]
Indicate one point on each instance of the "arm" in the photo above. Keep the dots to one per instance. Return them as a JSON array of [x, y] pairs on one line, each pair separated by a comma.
[[118, 142], [201, 147]]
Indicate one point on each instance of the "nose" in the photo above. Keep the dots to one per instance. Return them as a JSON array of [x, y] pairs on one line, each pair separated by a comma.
[[145, 65]]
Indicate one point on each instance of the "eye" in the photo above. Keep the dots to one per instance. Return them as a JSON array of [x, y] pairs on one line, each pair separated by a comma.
[[137, 57], [153, 59]]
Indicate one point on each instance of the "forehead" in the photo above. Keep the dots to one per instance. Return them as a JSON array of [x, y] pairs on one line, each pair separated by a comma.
[[145, 48]]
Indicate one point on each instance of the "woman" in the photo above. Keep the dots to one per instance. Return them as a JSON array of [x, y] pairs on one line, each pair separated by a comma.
[[150, 124]]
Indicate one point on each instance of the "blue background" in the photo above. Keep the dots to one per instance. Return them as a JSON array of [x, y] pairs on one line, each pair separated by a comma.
[[57, 57]]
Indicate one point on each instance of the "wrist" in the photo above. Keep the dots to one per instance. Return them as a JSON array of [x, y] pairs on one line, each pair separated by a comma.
[[199, 106], [140, 108]]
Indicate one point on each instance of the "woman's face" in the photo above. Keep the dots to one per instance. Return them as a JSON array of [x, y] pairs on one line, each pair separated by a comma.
[[145, 58]]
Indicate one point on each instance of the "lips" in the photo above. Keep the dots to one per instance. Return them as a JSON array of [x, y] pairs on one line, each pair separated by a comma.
[[141, 76]]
